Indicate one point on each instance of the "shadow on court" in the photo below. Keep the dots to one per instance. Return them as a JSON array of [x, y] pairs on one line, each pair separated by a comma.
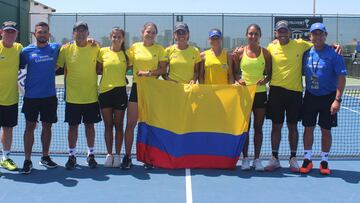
[[70, 178], [348, 176]]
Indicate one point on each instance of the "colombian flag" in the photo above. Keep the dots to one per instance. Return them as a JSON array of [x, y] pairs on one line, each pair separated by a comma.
[[192, 126]]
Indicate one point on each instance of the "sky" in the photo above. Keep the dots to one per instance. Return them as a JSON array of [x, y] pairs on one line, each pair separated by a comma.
[[203, 6]]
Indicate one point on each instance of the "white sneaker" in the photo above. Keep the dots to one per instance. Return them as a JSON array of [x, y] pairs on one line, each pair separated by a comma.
[[245, 164], [293, 165], [273, 164], [117, 161], [258, 165], [109, 161]]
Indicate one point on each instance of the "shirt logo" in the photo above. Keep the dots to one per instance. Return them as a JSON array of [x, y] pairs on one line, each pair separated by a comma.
[[73, 58], [2, 57]]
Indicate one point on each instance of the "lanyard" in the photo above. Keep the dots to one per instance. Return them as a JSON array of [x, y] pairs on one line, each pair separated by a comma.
[[314, 69]]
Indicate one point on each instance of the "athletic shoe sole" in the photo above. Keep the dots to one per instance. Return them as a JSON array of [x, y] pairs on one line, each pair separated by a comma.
[[47, 166]]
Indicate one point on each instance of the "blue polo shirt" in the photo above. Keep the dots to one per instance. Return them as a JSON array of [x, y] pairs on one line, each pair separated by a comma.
[[327, 65], [41, 65]]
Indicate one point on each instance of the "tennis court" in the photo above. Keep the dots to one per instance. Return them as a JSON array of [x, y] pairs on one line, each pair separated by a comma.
[[163, 186], [195, 185], [346, 137]]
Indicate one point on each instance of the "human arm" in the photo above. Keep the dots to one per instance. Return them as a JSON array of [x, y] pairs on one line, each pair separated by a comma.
[[268, 68], [157, 72], [202, 68], [231, 79], [335, 106], [99, 68], [236, 59]]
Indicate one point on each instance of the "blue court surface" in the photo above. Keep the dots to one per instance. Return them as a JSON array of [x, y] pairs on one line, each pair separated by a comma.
[[197, 185]]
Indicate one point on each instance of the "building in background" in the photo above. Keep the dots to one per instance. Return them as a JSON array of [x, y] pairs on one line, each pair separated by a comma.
[[17, 11], [39, 13]]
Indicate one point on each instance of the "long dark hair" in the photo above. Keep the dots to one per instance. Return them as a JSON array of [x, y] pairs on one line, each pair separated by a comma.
[[122, 46], [255, 26]]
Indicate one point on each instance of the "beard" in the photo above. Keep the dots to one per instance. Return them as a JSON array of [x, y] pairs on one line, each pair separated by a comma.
[[42, 40]]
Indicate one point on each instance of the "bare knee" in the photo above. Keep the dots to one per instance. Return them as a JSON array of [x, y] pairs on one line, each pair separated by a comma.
[[30, 126], [89, 126]]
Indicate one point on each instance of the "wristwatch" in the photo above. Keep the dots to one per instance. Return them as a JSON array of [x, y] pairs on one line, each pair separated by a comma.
[[338, 100]]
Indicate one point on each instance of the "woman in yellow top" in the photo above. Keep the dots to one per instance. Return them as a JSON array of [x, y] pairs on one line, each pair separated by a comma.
[[112, 64], [255, 66], [216, 62], [145, 58], [183, 59]]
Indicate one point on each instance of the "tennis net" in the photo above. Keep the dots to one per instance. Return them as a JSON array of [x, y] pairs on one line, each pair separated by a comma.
[[345, 144]]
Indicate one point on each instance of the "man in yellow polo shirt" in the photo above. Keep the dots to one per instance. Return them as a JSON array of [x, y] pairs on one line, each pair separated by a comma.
[[9, 96], [79, 60], [285, 93]]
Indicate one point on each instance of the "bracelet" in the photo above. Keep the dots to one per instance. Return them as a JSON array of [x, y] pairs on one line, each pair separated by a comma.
[[338, 100], [150, 73]]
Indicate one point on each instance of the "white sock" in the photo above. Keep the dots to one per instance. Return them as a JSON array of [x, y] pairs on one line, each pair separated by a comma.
[[5, 154], [90, 150], [307, 154], [324, 156], [72, 151]]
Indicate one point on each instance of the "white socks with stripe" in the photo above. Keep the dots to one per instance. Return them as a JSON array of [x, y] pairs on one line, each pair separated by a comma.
[[5, 154], [307, 154], [90, 150], [324, 156], [72, 151]]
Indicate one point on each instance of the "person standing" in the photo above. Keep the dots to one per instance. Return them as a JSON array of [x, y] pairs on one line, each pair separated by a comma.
[[325, 75], [146, 58], [9, 96], [255, 69], [79, 60], [112, 64], [215, 67], [183, 59], [40, 93], [285, 94]]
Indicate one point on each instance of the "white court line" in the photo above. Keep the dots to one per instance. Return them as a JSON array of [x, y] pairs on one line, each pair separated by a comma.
[[188, 186], [350, 110]]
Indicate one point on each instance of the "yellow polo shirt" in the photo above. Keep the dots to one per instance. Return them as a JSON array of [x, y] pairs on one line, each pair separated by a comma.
[[182, 62], [81, 78], [9, 67], [114, 69], [145, 58], [287, 64]]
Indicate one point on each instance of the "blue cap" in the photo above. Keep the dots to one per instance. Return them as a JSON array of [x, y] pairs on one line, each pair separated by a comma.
[[318, 26], [215, 33]]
